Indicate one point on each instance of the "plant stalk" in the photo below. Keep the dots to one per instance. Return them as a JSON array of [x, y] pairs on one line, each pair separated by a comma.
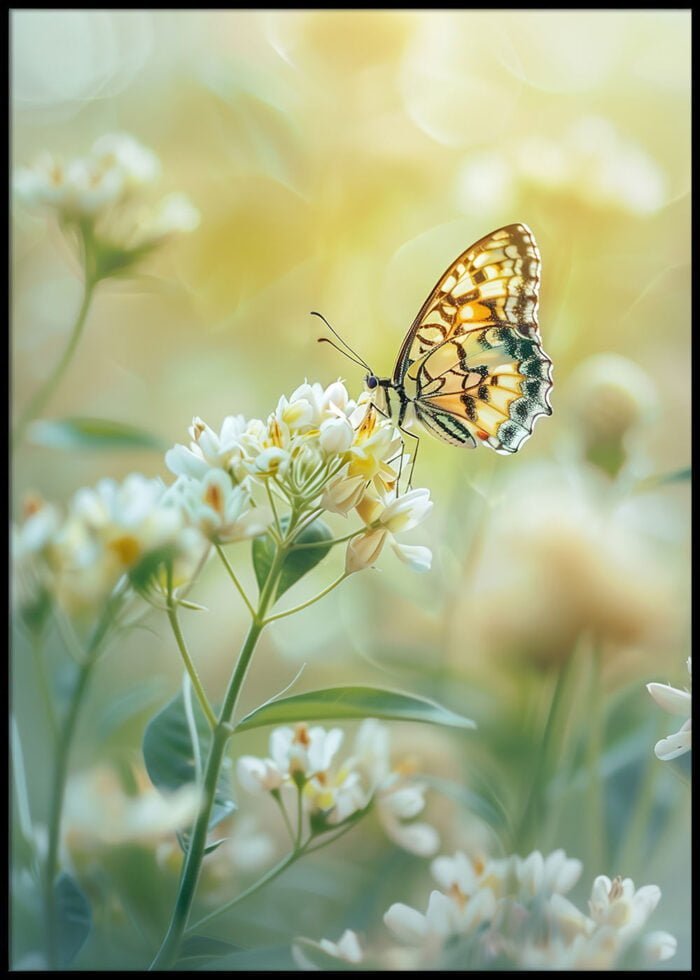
[[170, 947]]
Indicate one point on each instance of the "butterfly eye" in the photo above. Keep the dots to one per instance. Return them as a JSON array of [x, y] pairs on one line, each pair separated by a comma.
[[371, 381]]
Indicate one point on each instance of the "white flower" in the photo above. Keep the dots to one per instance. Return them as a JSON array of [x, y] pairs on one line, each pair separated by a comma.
[[555, 873], [258, 776], [303, 750], [336, 435], [383, 518], [376, 442], [138, 164], [271, 462], [336, 795], [416, 556], [397, 798], [347, 949], [79, 188], [221, 509], [445, 916], [619, 905], [676, 702], [208, 449], [399, 804], [659, 946], [403, 513]]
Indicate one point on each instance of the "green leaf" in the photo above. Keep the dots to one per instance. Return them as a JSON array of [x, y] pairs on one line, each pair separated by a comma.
[[352, 702], [74, 918], [297, 562], [91, 433], [124, 707], [170, 756], [198, 952], [487, 808]]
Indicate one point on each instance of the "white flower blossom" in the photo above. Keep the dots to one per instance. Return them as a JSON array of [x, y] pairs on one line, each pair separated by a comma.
[[347, 949], [676, 702]]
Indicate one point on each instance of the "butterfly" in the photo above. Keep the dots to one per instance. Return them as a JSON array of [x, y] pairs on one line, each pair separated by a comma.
[[471, 368]]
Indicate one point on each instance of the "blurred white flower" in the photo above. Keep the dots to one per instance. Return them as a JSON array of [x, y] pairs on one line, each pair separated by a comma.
[[347, 949], [111, 530], [597, 164], [445, 916], [532, 924], [659, 946], [137, 164], [98, 810], [620, 905], [103, 196], [258, 776], [398, 798], [676, 702], [555, 873]]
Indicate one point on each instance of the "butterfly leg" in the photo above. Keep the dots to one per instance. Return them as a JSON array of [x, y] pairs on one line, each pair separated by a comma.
[[414, 456]]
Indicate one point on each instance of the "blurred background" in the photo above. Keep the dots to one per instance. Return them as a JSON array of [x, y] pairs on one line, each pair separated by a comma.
[[340, 161]]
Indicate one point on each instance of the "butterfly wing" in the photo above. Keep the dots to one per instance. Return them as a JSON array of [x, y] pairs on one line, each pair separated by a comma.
[[473, 362]]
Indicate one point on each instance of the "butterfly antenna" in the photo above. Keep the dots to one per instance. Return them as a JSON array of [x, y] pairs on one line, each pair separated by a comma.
[[355, 355], [325, 340]]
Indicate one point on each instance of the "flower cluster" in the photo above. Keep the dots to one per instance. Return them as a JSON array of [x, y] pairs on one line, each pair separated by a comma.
[[676, 703], [318, 451], [110, 531], [514, 911], [102, 194], [333, 792]]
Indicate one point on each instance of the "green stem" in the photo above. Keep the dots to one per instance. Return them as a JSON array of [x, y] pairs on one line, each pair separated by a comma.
[[594, 751], [309, 602], [532, 814], [41, 398], [189, 664], [267, 877], [277, 797], [234, 578], [40, 667], [60, 774], [168, 952]]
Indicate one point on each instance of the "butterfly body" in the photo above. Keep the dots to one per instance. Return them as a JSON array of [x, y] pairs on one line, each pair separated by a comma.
[[471, 367]]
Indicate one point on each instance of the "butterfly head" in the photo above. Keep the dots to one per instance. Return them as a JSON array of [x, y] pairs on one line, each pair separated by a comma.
[[372, 381]]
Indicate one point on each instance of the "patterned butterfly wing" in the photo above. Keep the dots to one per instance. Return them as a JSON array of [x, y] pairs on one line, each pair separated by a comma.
[[473, 362]]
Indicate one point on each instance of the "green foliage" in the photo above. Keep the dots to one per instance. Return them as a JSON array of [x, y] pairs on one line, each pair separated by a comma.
[[170, 755], [297, 562], [198, 952], [74, 919], [350, 702], [91, 433]]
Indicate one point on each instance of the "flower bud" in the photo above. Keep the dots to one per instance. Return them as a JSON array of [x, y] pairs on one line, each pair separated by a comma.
[[363, 551], [336, 435], [342, 494]]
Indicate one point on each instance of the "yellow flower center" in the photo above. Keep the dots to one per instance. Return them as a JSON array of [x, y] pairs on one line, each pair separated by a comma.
[[126, 548]]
